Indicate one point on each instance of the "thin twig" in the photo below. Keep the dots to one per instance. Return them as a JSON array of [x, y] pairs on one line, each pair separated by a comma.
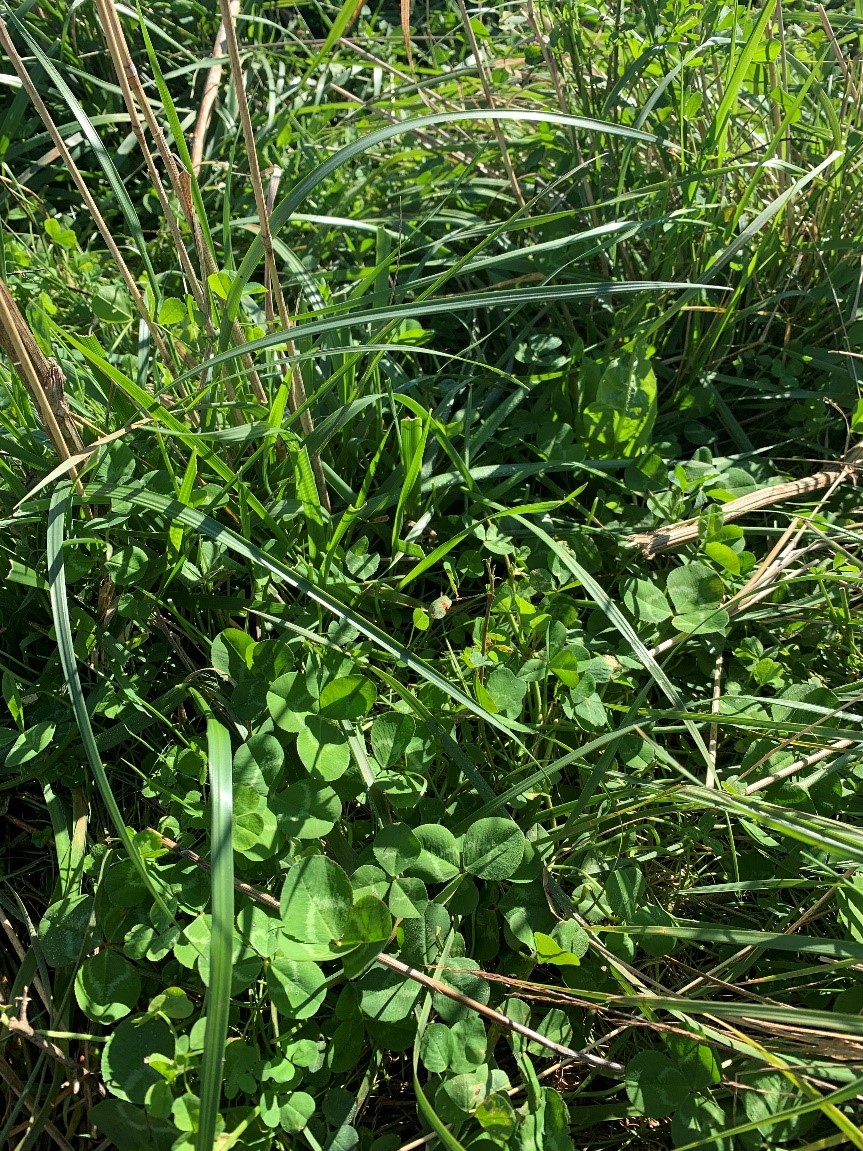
[[20, 951], [15, 1084], [420, 977], [837, 51], [800, 765], [489, 97], [297, 388], [127, 78], [497, 1017], [745, 952], [711, 779], [80, 183], [211, 91], [23, 1029], [684, 532], [40, 374], [133, 93]]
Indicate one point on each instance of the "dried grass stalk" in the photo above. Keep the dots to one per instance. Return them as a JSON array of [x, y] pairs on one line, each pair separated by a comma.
[[210, 93], [676, 535]]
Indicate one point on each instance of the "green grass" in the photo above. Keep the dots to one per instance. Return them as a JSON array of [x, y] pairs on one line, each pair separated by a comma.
[[330, 666]]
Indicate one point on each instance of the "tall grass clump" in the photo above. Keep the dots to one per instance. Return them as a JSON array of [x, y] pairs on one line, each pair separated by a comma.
[[430, 637]]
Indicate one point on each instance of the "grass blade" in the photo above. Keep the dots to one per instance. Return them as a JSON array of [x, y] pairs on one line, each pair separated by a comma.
[[221, 940], [66, 649], [207, 526], [619, 620]]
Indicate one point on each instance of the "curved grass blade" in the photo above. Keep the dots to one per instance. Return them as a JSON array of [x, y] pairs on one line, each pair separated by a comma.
[[838, 839], [425, 1108], [744, 937], [715, 135], [176, 130], [221, 940], [160, 415], [207, 526], [497, 298], [65, 646], [840, 1095], [125, 204], [619, 620], [292, 201]]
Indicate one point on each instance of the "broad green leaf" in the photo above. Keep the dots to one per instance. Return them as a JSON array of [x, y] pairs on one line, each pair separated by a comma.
[[112, 305], [564, 947], [348, 697], [258, 762], [438, 860], [388, 996], [469, 1043], [390, 735], [173, 1002], [652, 915], [617, 403], [436, 1047], [30, 745], [767, 1094], [565, 665], [507, 691], [467, 1091], [368, 922], [125, 1058], [696, 1060], [231, 652], [493, 848], [408, 898], [63, 929], [693, 587], [699, 1120], [496, 1115], [723, 555], [130, 1126], [128, 565], [395, 847], [289, 702], [295, 1112], [465, 975], [172, 311], [323, 748], [545, 1128], [316, 900], [107, 987], [186, 1112], [702, 621], [306, 809], [296, 989], [555, 1026], [623, 890], [645, 602], [655, 1086], [259, 928]]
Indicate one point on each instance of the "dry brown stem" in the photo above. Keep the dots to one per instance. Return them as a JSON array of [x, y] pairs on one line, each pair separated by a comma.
[[489, 97], [210, 93], [135, 97], [420, 977], [17, 1087], [42, 377], [676, 535], [81, 185], [297, 388]]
